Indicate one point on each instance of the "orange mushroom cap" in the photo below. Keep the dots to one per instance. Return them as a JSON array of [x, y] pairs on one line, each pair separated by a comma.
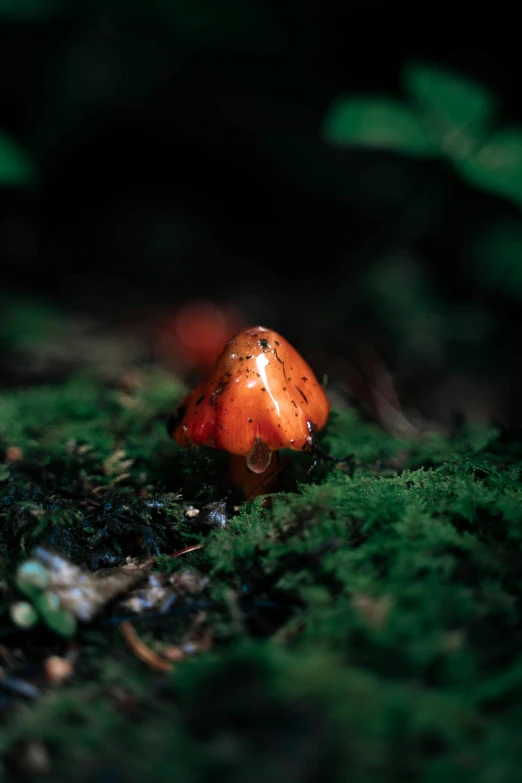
[[261, 396]]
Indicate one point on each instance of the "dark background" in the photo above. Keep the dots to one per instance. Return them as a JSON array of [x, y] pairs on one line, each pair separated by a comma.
[[180, 155]]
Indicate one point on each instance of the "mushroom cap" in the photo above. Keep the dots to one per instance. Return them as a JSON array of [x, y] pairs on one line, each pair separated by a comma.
[[261, 390]]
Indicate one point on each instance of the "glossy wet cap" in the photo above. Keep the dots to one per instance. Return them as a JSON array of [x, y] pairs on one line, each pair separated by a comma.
[[261, 397]]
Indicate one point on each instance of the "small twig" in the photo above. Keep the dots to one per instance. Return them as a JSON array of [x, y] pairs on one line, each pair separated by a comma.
[[142, 652], [186, 550], [151, 560]]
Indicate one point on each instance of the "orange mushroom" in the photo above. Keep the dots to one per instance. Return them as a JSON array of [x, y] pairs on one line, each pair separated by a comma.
[[261, 397]]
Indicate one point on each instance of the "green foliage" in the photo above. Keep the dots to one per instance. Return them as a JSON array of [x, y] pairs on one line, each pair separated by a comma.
[[497, 165], [32, 580], [449, 100], [16, 168], [376, 122], [83, 450], [449, 115], [59, 619]]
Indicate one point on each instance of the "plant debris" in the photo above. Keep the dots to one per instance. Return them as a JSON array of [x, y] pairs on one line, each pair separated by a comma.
[[79, 592], [143, 652]]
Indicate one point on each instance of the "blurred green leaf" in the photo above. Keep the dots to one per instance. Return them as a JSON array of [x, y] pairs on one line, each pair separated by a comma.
[[32, 577], [16, 169], [29, 9], [450, 99], [496, 257], [58, 619], [376, 122], [497, 165]]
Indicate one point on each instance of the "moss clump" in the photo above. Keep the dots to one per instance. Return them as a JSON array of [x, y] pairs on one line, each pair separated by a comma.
[[365, 627]]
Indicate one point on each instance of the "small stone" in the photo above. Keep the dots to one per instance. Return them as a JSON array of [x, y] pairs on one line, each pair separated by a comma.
[[57, 669]]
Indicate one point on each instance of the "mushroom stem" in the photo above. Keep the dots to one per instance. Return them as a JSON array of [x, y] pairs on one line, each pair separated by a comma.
[[250, 484], [259, 458]]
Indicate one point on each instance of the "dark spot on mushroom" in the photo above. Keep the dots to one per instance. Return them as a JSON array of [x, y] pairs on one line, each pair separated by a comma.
[[264, 344], [277, 342], [200, 400], [301, 392], [279, 360], [263, 388], [293, 403], [219, 390], [250, 420], [248, 356], [284, 388], [304, 378]]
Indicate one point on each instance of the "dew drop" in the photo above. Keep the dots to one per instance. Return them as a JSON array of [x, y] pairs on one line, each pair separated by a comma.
[[259, 458]]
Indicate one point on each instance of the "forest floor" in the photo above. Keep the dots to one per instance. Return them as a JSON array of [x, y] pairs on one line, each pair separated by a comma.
[[364, 624]]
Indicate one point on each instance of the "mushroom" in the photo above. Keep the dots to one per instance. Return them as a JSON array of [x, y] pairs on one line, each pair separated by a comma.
[[260, 397]]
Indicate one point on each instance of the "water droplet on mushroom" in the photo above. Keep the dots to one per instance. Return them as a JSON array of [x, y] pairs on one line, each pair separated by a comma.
[[259, 458]]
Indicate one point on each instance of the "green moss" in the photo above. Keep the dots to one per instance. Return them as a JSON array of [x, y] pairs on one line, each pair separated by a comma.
[[366, 626]]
